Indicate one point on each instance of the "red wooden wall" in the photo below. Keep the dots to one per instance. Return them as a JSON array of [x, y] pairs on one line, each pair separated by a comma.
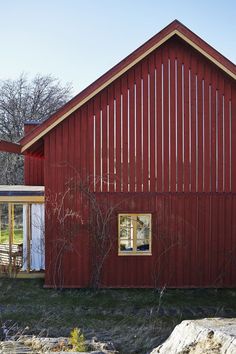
[[167, 127], [192, 238], [33, 165]]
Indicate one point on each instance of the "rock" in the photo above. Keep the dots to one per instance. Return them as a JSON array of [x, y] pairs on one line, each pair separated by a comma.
[[46, 345], [101, 347], [10, 347], [205, 336]]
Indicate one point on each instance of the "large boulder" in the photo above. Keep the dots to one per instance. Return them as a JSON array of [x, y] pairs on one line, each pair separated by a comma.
[[205, 336]]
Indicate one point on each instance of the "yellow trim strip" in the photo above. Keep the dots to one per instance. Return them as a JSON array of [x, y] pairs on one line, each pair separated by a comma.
[[23, 275], [121, 72], [133, 253], [31, 275], [22, 199], [208, 56]]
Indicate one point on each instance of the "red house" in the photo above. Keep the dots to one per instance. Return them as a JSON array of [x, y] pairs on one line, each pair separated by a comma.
[[140, 171]]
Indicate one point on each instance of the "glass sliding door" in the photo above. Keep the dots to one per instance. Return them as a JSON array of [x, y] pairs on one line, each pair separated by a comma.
[[11, 236]]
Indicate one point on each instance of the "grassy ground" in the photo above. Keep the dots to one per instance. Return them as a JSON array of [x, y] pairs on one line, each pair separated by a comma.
[[134, 320]]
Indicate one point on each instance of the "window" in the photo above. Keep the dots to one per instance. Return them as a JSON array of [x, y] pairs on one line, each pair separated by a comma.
[[11, 223], [134, 234]]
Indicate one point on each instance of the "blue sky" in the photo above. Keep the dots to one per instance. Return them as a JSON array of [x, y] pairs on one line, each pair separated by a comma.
[[78, 40]]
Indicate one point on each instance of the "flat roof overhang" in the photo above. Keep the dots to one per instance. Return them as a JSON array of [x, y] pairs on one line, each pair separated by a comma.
[[21, 194]]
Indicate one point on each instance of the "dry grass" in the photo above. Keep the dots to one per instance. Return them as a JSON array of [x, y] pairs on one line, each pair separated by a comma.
[[134, 320]]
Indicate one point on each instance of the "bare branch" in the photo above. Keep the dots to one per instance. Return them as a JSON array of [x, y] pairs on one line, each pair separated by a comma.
[[26, 100]]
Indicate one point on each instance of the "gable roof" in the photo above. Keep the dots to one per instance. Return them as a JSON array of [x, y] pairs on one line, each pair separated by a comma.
[[174, 28]]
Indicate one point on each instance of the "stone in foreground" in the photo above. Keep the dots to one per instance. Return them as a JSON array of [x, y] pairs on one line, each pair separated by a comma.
[[205, 336]]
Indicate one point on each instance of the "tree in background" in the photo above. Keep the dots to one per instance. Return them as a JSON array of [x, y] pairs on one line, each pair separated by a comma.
[[25, 100]]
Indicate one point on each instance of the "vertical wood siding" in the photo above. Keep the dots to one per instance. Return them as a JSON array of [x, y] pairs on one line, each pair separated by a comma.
[[166, 132], [33, 166], [171, 126], [33, 171], [193, 237]]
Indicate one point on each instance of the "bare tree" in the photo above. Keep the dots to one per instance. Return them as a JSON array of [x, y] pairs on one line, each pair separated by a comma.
[[67, 224], [96, 216], [25, 100], [101, 214]]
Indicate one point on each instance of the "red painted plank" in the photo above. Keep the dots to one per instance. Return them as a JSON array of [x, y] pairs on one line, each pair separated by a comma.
[[200, 103], [182, 238], [221, 166], [194, 237], [156, 239], [138, 130], [179, 122], [118, 136], [165, 61], [152, 123], [185, 239], [111, 138], [81, 144], [87, 137], [227, 135], [188, 239], [145, 125], [60, 161], [131, 131], [186, 121], [201, 251], [207, 240], [214, 245], [65, 174], [228, 237], [90, 146], [233, 241], [77, 156], [207, 131], [172, 122], [71, 137], [158, 63], [213, 133], [178, 239], [233, 138], [193, 123], [166, 236], [104, 140], [223, 261], [65, 151], [98, 156], [125, 133]]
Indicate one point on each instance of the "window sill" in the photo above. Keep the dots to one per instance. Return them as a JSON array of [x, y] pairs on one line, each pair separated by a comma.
[[134, 254]]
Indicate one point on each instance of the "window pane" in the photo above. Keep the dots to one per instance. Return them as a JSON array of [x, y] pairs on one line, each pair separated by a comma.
[[18, 224], [4, 229], [126, 233], [126, 245], [143, 232]]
